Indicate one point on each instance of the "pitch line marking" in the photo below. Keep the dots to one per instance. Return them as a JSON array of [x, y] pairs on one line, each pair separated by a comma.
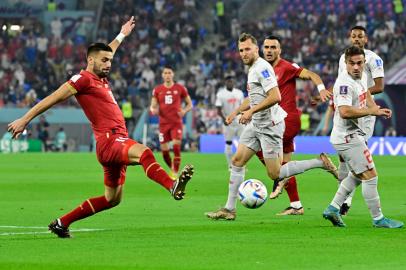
[[46, 232]]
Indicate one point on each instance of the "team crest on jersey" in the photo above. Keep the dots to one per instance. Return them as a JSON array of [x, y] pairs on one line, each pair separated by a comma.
[[265, 73], [343, 89], [379, 62]]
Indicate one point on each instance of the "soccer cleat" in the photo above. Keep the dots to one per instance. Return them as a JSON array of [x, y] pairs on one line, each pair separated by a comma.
[[278, 188], [329, 165], [387, 223], [179, 186], [332, 214], [223, 214], [344, 209], [291, 211], [57, 228]]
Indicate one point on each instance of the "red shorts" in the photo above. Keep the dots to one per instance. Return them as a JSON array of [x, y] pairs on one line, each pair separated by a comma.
[[292, 128], [112, 153], [169, 132]]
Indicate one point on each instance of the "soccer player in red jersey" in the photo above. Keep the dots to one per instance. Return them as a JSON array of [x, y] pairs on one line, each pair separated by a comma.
[[167, 102], [114, 149], [286, 74]]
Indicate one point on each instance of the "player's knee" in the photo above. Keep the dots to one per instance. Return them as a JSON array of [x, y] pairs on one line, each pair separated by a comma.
[[114, 201], [237, 161], [273, 174]]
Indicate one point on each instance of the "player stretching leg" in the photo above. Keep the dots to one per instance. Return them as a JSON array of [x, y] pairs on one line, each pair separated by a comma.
[[353, 102], [227, 100], [115, 151], [167, 102], [265, 126], [287, 73]]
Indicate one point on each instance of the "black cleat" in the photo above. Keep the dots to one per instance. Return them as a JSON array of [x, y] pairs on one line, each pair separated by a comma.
[[344, 209], [178, 189], [57, 228]]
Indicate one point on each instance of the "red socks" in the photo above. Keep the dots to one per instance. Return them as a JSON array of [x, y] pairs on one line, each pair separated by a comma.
[[260, 156], [167, 158], [176, 159], [291, 189], [87, 208], [154, 171]]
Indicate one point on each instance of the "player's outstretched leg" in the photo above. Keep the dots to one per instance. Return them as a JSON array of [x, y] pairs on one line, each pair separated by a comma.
[[179, 186]]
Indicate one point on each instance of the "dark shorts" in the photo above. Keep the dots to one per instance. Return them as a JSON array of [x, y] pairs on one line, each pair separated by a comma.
[[292, 129], [169, 132], [112, 153]]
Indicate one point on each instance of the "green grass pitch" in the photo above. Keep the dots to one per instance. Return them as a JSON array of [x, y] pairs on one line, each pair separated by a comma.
[[150, 230]]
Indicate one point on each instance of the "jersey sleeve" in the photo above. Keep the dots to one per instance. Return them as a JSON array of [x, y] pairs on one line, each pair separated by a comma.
[[218, 102], [184, 92], [342, 94], [267, 78], [295, 70], [376, 66], [79, 83], [341, 64]]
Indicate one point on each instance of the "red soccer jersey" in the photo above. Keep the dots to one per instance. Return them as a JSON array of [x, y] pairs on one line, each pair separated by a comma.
[[97, 101], [286, 74], [170, 102]]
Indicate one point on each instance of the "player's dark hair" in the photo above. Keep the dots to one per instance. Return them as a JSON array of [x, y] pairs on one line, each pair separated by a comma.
[[97, 47], [359, 27], [167, 67], [353, 50], [278, 38], [245, 36]]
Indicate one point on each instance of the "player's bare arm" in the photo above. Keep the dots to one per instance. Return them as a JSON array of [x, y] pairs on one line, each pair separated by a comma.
[[63, 92], [221, 114], [273, 97], [378, 87], [126, 30], [350, 112], [154, 106], [327, 116], [306, 74], [189, 106], [245, 105]]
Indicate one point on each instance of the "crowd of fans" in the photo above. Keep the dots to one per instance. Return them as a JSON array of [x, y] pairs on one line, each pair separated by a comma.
[[33, 64]]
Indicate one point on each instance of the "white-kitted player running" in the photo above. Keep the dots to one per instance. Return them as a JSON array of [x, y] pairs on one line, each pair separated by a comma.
[[228, 99], [374, 71], [353, 102]]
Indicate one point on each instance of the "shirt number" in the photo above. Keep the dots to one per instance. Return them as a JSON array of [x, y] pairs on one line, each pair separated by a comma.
[[168, 99]]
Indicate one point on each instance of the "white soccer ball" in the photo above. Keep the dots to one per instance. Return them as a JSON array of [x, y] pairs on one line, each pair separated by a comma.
[[252, 193]]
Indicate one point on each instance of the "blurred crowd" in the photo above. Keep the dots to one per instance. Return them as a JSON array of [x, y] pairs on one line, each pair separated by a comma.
[[33, 64]]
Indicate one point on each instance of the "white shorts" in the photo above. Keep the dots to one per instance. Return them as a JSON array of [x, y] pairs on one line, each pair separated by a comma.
[[356, 154], [232, 131], [269, 139]]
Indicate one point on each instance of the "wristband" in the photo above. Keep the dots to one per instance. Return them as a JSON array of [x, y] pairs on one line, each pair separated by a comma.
[[120, 37], [321, 87]]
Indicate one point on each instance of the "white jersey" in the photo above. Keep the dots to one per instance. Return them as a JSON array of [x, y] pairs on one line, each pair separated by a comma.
[[348, 92], [229, 101], [373, 66], [261, 79]]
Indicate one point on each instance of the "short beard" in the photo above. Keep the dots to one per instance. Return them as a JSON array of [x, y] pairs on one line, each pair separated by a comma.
[[100, 73]]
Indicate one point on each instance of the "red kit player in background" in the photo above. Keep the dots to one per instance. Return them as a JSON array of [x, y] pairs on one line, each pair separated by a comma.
[[286, 74], [167, 102], [114, 149]]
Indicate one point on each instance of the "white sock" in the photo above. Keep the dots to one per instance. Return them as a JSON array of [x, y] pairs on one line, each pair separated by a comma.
[[296, 204], [348, 185], [296, 167], [236, 178], [348, 201], [342, 171], [228, 151], [371, 197]]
